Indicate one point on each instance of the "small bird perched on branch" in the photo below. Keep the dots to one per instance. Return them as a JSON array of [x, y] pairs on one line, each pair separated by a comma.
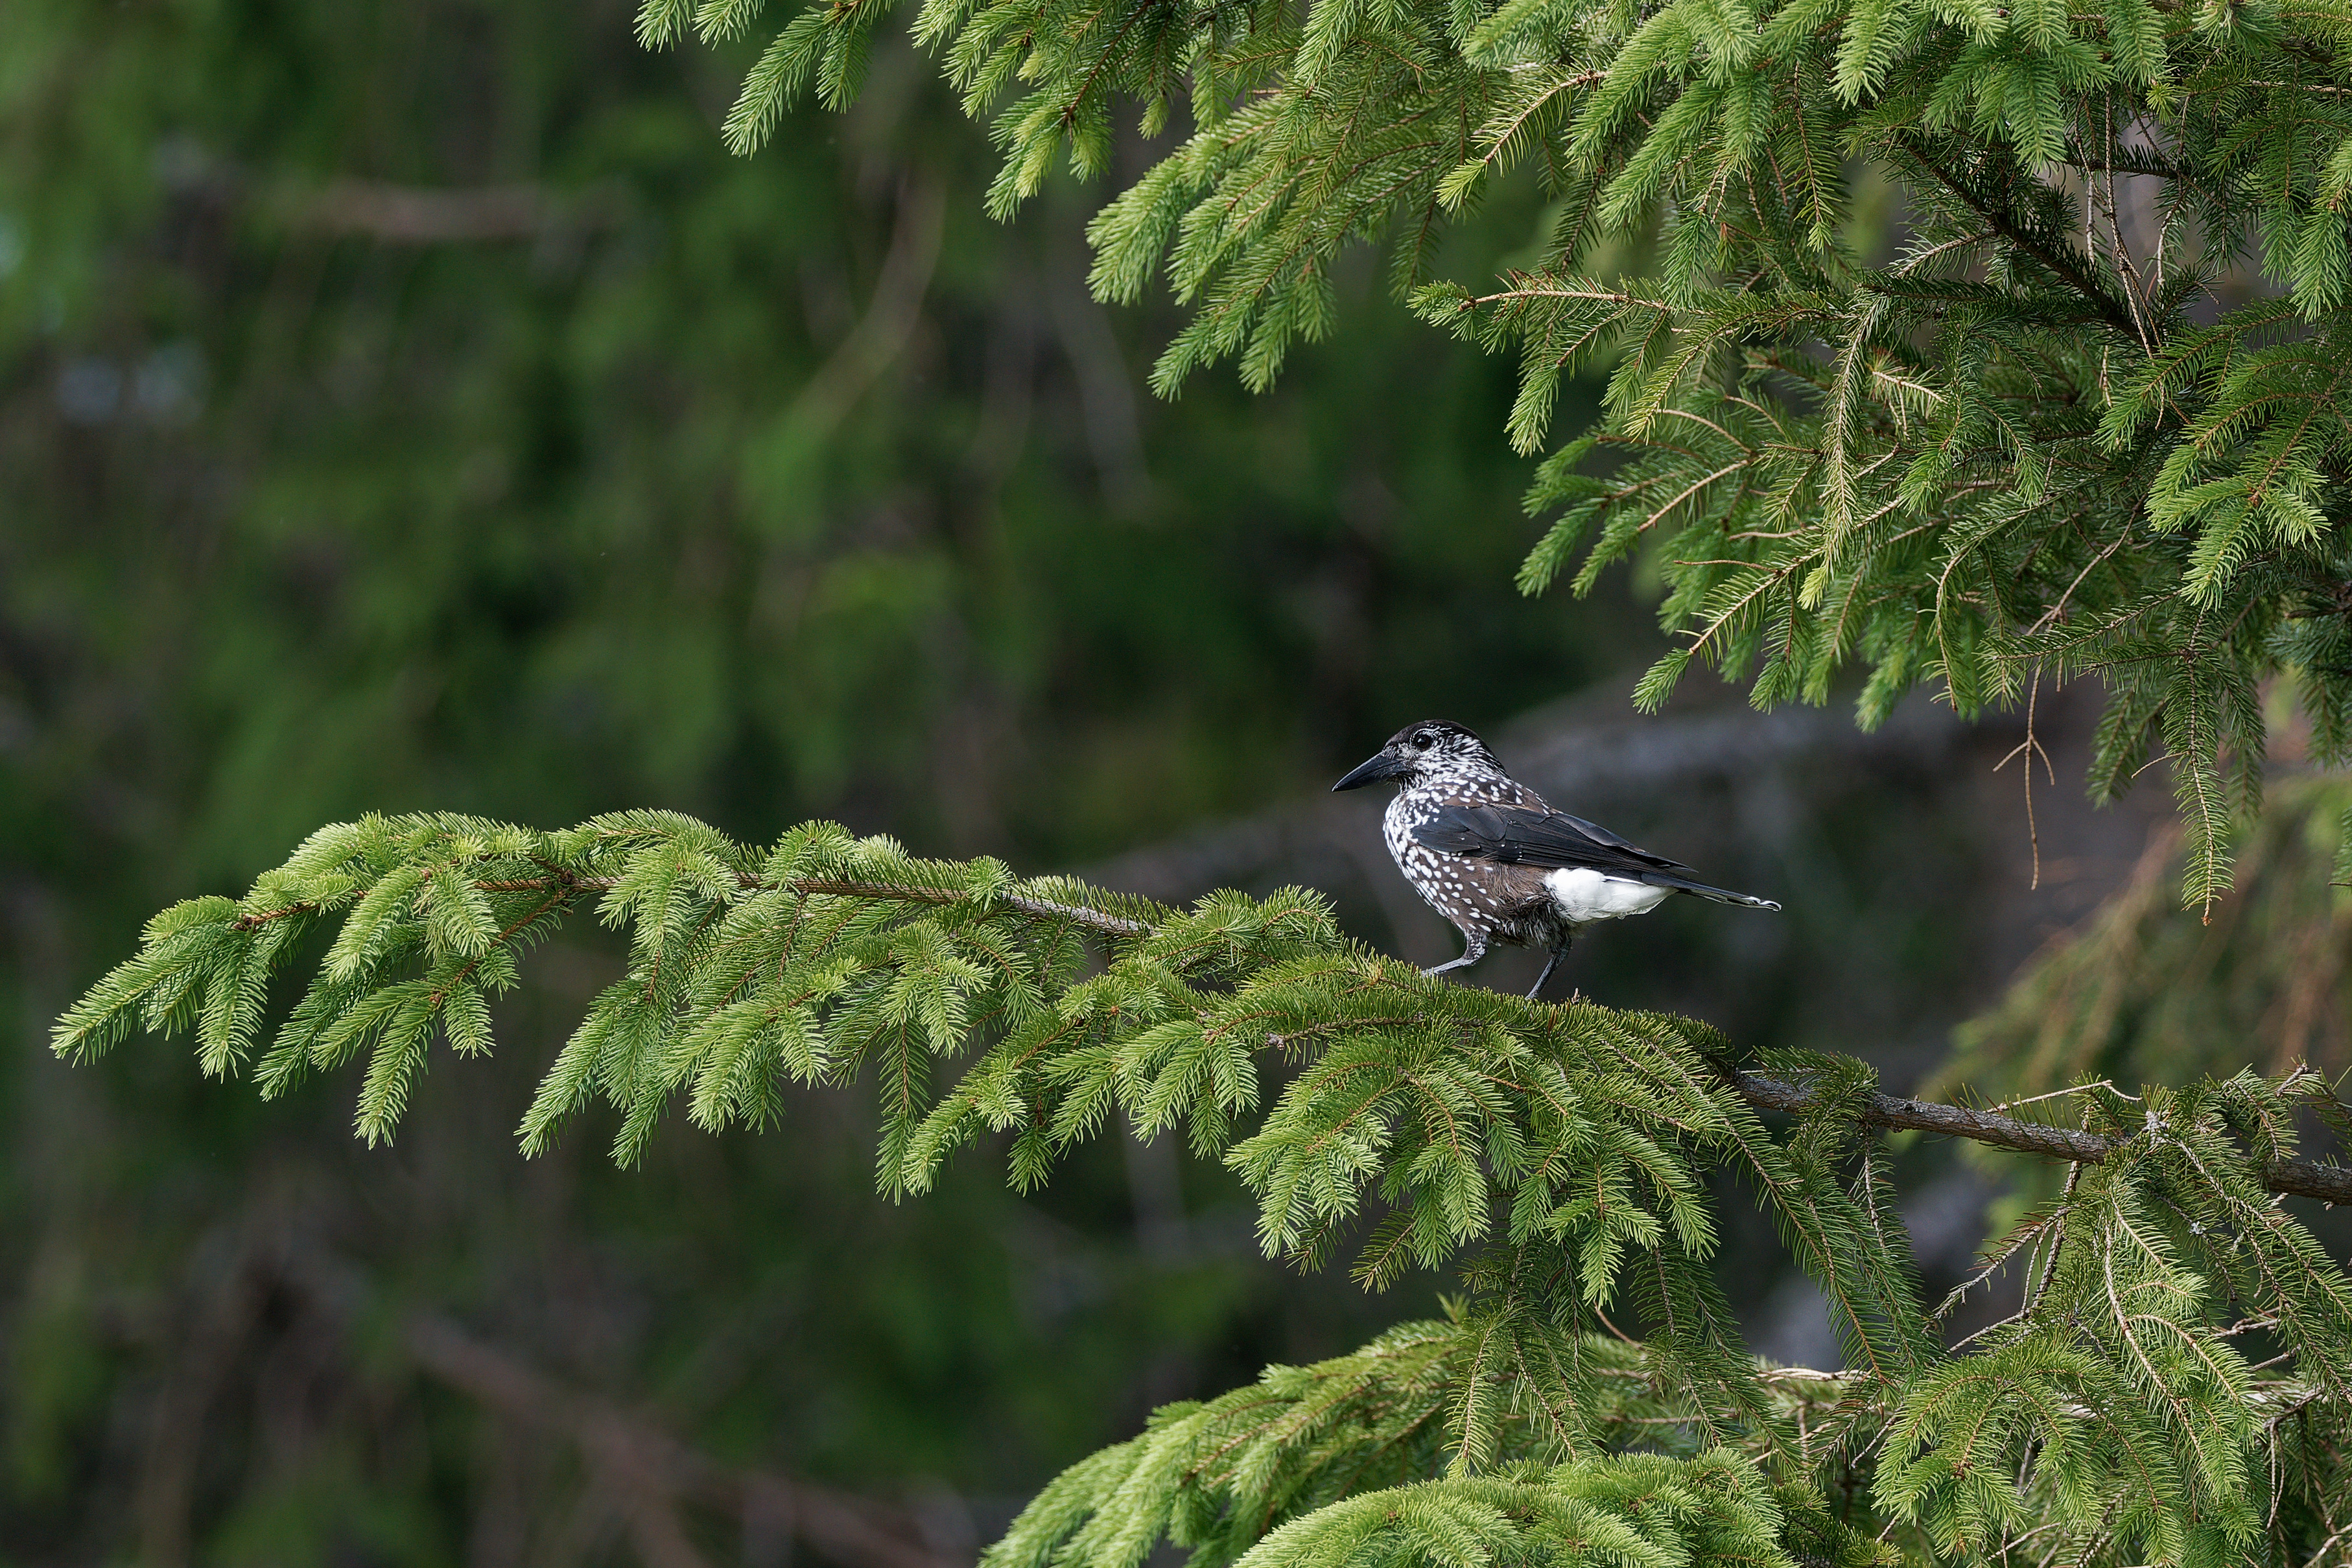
[[1491, 857]]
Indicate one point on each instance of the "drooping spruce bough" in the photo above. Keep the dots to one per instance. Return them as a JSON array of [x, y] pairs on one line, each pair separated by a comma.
[[2090, 420], [2175, 1389]]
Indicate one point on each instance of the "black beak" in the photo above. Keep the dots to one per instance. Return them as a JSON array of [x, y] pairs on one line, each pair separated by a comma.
[[1372, 770]]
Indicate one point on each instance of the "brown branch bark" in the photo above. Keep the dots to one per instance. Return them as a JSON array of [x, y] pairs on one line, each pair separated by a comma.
[[2328, 1182]]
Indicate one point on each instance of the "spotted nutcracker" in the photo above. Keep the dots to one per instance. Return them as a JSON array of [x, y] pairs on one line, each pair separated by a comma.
[[1490, 856]]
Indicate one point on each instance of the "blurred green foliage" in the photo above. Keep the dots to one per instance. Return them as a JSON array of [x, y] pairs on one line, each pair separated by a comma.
[[413, 405], [630, 500], [2144, 991]]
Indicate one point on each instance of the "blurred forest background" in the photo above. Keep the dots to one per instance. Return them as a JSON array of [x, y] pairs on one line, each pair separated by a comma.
[[412, 405]]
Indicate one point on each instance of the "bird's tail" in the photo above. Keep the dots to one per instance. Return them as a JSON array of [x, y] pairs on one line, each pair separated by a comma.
[[1718, 894]]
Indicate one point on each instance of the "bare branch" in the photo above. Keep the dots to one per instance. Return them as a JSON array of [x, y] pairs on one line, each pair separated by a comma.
[[2323, 1180], [413, 214], [652, 1467]]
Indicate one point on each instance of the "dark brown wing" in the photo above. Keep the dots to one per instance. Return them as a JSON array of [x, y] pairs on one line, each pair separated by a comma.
[[1511, 835], [1515, 836]]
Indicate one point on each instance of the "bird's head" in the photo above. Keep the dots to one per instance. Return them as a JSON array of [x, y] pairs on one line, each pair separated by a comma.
[[1430, 750]]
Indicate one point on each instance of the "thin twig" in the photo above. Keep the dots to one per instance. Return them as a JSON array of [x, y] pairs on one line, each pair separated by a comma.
[[2056, 255], [2030, 747], [2057, 1241], [1043, 909]]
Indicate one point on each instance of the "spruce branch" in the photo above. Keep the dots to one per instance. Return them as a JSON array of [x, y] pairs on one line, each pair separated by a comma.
[[565, 868], [1560, 1156], [565, 886], [2329, 1183], [1929, 466], [1994, 209]]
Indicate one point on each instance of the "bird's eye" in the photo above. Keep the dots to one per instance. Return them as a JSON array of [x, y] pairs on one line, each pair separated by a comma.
[[1424, 741]]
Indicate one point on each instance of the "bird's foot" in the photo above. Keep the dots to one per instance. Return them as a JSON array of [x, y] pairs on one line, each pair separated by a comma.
[[1550, 964]]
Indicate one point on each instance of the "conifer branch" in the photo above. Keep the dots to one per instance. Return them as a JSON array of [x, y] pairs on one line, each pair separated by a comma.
[[2328, 1182], [1562, 1155], [1918, 465], [2051, 251], [658, 849], [566, 886], [1093, 920]]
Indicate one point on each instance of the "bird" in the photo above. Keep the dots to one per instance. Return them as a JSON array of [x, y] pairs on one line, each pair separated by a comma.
[[1488, 853]]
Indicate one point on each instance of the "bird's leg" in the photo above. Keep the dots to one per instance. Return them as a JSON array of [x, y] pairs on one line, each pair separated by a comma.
[[1550, 964], [1475, 949]]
